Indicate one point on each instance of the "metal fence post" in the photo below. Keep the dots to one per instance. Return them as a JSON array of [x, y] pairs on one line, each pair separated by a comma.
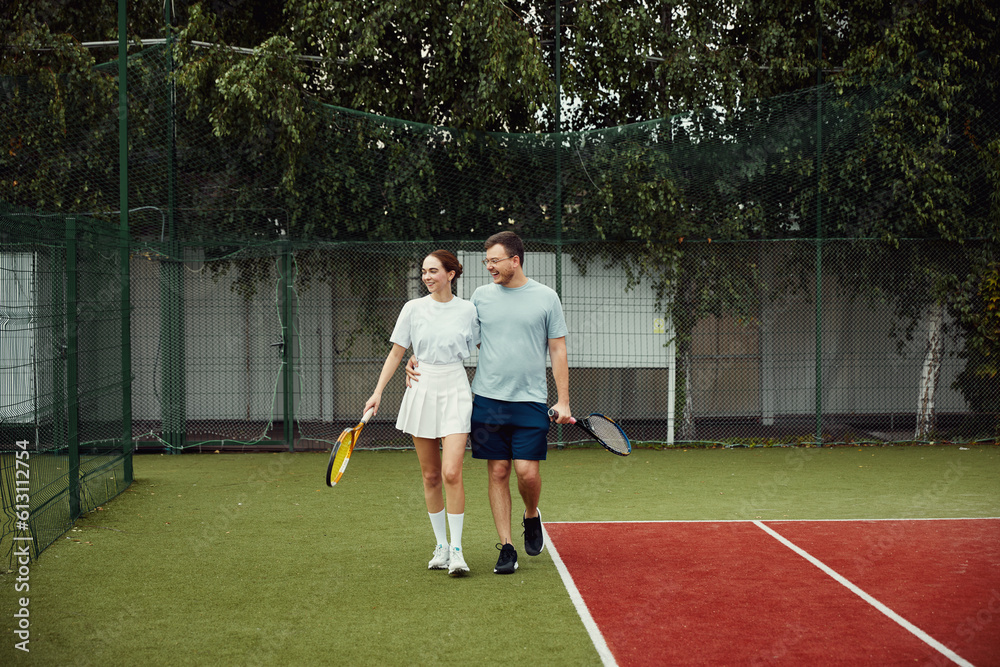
[[125, 321], [819, 243], [72, 380], [173, 402], [558, 175], [125, 299], [57, 321], [287, 353]]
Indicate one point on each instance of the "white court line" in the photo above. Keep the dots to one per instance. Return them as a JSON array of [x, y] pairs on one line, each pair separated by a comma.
[[581, 607], [917, 632]]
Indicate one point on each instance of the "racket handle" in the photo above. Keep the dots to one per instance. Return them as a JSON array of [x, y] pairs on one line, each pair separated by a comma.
[[368, 415], [553, 413]]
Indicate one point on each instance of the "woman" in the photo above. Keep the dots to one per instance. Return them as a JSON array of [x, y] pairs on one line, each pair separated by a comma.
[[443, 331]]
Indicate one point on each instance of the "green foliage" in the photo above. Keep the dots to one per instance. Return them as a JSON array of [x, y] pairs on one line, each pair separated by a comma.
[[900, 144], [632, 60], [976, 307], [928, 169], [481, 68], [988, 326], [53, 98], [85, 20], [489, 67], [922, 160]]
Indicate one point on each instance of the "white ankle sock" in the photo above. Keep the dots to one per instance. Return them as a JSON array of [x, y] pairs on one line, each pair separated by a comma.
[[438, 524], [455, 522]]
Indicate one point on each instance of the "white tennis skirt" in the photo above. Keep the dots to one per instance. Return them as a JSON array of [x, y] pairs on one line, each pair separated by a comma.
[[438, 404]]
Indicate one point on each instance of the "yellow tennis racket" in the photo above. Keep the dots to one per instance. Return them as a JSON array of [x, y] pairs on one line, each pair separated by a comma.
[[340, 455]]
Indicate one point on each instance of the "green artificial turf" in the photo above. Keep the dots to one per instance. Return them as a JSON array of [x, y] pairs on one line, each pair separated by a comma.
[[250, 559]]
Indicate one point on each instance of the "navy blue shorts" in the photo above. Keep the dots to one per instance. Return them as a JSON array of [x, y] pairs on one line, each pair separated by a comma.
[[504, 430]]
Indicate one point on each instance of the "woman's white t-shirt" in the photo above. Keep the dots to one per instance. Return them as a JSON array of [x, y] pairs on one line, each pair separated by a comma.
[[440, 333]]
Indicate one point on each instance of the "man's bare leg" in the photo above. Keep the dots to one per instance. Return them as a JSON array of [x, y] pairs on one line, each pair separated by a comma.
[[499, 492], [529, 484]]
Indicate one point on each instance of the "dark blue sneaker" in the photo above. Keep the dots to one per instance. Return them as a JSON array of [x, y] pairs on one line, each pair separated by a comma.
[[534, 542], [507, 562]]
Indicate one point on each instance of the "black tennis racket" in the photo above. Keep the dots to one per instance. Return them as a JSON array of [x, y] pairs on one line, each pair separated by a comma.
[[340, 455], [606, 431]]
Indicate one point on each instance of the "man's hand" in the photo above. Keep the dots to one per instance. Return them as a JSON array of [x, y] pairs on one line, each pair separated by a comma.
[[411, 371], [560, 373], [562, 414]]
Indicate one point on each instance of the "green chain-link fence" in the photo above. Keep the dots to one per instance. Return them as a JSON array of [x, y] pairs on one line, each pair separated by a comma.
[[714, 270], [65, 416], [313, 322]]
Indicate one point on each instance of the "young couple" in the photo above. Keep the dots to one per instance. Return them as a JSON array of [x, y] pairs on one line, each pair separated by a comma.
[[515, 321]]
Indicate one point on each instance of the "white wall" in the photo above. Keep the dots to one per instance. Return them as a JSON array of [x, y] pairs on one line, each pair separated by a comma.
[[609, 327], [17, 337]]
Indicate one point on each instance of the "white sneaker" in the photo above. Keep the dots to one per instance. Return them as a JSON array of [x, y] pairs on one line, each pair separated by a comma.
[[456, 563], [440, 559]]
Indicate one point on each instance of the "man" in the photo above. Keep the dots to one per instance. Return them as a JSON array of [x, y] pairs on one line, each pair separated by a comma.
[[520, 321]]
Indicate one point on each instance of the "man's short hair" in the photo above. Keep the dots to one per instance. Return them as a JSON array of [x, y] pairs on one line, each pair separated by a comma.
[[511, 242]]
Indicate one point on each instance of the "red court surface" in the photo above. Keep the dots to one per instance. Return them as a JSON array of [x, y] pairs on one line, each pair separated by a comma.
[[911, 592]]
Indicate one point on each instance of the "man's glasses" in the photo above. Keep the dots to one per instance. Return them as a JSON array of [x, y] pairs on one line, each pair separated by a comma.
[[493, 262]]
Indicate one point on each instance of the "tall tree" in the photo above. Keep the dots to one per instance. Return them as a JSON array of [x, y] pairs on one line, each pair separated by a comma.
[[928, 167], [635, 60], [258, 131]]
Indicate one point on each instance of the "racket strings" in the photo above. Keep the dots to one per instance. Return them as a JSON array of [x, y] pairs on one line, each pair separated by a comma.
[[609, 433]]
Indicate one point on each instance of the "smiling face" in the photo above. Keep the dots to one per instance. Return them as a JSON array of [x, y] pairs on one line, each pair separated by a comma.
[[435, 278], [501, 267]]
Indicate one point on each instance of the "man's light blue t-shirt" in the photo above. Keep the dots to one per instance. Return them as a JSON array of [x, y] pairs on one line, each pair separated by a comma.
[[515, 327]]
